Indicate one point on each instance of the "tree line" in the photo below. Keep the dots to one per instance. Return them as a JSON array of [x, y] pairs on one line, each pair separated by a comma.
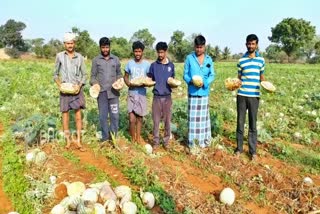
[[291, 40]]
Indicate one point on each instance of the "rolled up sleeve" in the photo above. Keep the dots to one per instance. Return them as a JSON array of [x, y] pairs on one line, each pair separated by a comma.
[[186, 71], [94, 72], [56, 68]]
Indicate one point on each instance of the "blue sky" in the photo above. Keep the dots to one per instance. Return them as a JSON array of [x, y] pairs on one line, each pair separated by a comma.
[[223, 23]]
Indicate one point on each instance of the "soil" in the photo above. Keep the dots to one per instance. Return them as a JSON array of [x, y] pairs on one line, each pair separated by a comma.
[[5, 202]]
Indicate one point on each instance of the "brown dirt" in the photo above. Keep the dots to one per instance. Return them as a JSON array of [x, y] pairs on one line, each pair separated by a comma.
[[89, 157], [5, 203], [3, 54]]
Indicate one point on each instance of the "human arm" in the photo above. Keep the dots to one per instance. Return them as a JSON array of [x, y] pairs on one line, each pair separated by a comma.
[[186, 72], [211, 75], [94, 73]]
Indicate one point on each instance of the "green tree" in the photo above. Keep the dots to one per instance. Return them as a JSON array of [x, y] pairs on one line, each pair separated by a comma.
[[37, 46], [178, 46], [121, 47], [145, 37], [291, 34], [216, 53], [226, 53], [10, 34], [273, 53], [84, 44]]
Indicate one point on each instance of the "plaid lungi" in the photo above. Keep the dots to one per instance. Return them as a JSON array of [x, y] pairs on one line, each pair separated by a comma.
[[199, 121], [69, 101]]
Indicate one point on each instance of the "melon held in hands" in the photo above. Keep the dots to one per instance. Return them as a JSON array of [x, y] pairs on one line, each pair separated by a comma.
[[197, 80]]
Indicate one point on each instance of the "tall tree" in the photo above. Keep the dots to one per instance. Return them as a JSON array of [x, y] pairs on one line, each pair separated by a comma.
[[217, 53], [85, 45], [273, 52], [10, 34], [178, 46], [291, 34], [145, 37], [120, 47], [226, 53], [37, 46]]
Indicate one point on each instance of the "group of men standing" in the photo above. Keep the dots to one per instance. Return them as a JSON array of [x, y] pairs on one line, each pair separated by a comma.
[[106, 69]]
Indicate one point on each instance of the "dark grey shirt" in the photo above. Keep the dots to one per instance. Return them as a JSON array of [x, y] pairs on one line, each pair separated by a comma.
[[105, 73], [71, 70]]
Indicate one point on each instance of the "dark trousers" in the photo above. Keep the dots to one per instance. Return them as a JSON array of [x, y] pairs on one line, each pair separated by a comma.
[[108, 108], [252, 104], [161, 110]]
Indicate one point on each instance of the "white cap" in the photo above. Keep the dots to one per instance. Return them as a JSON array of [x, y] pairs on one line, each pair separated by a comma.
[[69, 37]]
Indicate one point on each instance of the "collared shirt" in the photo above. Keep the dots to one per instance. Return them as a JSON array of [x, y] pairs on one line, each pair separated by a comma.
[[105, 72], [72, 70], [250, 70], [137, 70], [160, 73], [206, 71]]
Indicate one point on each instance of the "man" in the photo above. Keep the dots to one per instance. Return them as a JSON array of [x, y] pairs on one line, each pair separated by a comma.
[[70, 65], [200, 64], [160, 71], [250, 72], [105, 71], [137, 101]]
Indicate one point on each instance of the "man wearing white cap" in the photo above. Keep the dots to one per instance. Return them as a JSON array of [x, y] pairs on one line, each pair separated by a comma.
[[70, 68]]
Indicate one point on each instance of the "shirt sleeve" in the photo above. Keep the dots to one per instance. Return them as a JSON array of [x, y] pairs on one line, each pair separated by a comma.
[[186, 71], [150, 73], [83, 71], [56, 68], [211, 75], [94, 72], [118, 70], [239, 69], [127, 69], [262, 68]]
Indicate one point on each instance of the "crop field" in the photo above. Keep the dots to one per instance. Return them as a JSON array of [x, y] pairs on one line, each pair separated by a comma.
[[288, 147]]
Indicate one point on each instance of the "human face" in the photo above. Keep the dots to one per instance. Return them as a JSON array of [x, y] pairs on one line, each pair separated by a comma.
[[162, 55], [69, 46], [199, 49], [252, 46], [138, 54], [105, 50]]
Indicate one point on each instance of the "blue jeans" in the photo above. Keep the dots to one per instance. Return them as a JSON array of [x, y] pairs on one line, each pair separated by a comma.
[[252, 104], [108, 110]]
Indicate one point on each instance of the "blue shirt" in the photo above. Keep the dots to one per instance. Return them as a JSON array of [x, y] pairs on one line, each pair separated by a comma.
[[160, 73], [250, 70], [206, 71], [137, 70]]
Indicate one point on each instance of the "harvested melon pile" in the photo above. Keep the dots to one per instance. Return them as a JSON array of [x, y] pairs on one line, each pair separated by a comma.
[[97, 198]]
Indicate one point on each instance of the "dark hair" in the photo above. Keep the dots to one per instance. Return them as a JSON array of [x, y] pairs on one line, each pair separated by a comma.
[[252, 37], [162, 46], [199, 40], [137, 45], [104, 41]]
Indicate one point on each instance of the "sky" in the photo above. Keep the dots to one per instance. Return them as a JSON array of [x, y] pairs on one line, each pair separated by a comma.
[[222, 22]]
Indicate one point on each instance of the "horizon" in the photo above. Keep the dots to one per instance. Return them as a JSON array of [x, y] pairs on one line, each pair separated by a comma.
[[89, 16]]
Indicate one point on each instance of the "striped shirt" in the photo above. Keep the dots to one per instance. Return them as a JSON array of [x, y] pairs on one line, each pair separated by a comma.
[[71, 70], [250, 70]]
